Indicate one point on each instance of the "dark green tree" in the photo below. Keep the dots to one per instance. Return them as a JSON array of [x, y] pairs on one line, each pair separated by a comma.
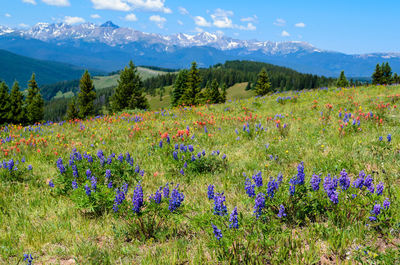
[[396, 79], [342, 81], [72, 110], [34, 102], [4, 103], [377, 76], [263, 85], [192, 91], [215, 96], [179, 87], [248, 86], [16, 112], [387, 73], [223, 94], [86, 96]]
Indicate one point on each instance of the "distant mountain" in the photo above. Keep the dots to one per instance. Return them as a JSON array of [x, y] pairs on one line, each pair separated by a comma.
[[16, 67], [109, 47]]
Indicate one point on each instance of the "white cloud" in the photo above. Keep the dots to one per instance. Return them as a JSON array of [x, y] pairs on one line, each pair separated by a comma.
[[201, 21], [7, 15], [33, 2], [95, 16], [73, 20], [285, 33], [300, 25], [183, 11], [22, 25], [221, 18], [158, 20], [118, 5], [131, 17], [180, 22], [199, 30], [249, 26], [280, 22], [57, 2], [249, 19]]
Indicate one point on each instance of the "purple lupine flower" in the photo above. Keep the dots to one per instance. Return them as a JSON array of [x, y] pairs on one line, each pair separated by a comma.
[[137, 199], [315, 181], [233, 219], [292, 187], [281, 211], [109, 160], [389, 138], [166, 191], [193, 158], [93, 181], [371, 188], [74, 184], [30, 167], [60, 165], [75, 171], [258, 179], [119, 199], [156, 197], [280, 178], [100, 154], [272, 186], [300, 174], [51, 184], [249, 187], [380, 138], [203, 153], [386, 204], [330, 186], [160, 144], [185, 165], [28, 258], [210, 192], [379, 188], [175, 155], [259, 204], [219, 207], [368, 181], [190, 148], [217, 232], [182, 172], [176, 199], [376, 210], [223, 157], [344, 180], [108, 173], [110, 184], [87, 190], [120, 158], [88, 173]]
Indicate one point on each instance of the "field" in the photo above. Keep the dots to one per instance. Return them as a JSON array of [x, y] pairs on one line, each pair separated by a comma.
[[308, 177]]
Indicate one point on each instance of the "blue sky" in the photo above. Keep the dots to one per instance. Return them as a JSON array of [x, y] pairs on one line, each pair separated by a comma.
[[351, 26]]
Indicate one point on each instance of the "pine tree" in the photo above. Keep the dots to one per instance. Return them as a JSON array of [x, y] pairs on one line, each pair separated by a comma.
[[179, 87], [342, 81], [396, 79], [16, 112], [248, 86], [263, 85], [377, 76], [223, 94], [192, 91], [34, 102], [4, 103], [387, 73], [215, 96], [86, 96], [72, 111], [129, 82]]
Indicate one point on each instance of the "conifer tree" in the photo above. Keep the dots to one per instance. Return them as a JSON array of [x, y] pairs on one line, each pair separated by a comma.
[[396, 79], [377, 76], [342, 81], [179, 87], [72, 110], [34, 102], [263, 85], [16, 112], [387, 73], [223, 94], [4, 103], [248, 86], [215, 96], [192, 91], [86, 96]]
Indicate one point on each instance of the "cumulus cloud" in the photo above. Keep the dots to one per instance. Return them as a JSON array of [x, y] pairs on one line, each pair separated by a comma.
[[95, 16], [280, 22], [118, 5], [57, 2], [285, 33], [7, 15], [160, 21], [249, 19], [33, 2], [73, 20], [199, 30], [221, 18], [131, 17], [201, 21], [300, 25], [183, 11], [127, 5], [249, 26]]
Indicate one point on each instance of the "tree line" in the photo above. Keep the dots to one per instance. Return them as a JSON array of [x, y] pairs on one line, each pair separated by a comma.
[[383, 75]]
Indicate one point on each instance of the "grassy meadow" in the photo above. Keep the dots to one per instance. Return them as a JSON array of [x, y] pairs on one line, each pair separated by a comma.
[[64, 210]]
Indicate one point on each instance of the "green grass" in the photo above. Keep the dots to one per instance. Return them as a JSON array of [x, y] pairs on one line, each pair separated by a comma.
[[34, 219]]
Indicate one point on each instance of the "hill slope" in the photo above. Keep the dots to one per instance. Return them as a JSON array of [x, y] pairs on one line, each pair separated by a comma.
[[16, 67]]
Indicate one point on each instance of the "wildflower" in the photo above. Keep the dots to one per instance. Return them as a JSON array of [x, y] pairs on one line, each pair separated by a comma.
[[300, 174], [185, 165], [29, 167], [315, 181], [281, 211], [330, 186], [60, 165], [233, 219], [119, 199], [210, 192], [176, 199], [249, 188], [156, 197], [344, 180], [51, 184], [380, 138], [160, 144], [389, 138], [217, 232], [272, 186], [108, 173], [88, 173], [223, 157], [120, 158], [166, 191], [74, 184], [109, 185], [175, 155], [259, 204], [368, 181], [219, 207], [190, 147], [137, 199], [386, 204], [75, 171], [87, 190], [203, 153], [258, 179], [93, 180], [292, 187], [28, 258]]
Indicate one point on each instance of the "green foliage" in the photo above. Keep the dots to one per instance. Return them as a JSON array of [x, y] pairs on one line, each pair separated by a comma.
[[4, 103], [383, 75], [179, 87], [16, 112], [34, 102], [342, 81], [72, 111], [192, 91], [86, 96], [263, 85]]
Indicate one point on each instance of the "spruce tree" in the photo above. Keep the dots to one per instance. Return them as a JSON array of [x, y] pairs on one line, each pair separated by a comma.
[[223, 94], [72, 110], [396, 79], [179, 87], [387, 73], [377, 76], [215, 96], [16, 113], [86, 96], [248, 86], [342, 81], [192, 91], [4, 103], [263, 85], [34, 102]]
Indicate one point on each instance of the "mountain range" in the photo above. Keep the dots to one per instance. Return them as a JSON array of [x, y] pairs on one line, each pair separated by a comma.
[[109, 47]]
